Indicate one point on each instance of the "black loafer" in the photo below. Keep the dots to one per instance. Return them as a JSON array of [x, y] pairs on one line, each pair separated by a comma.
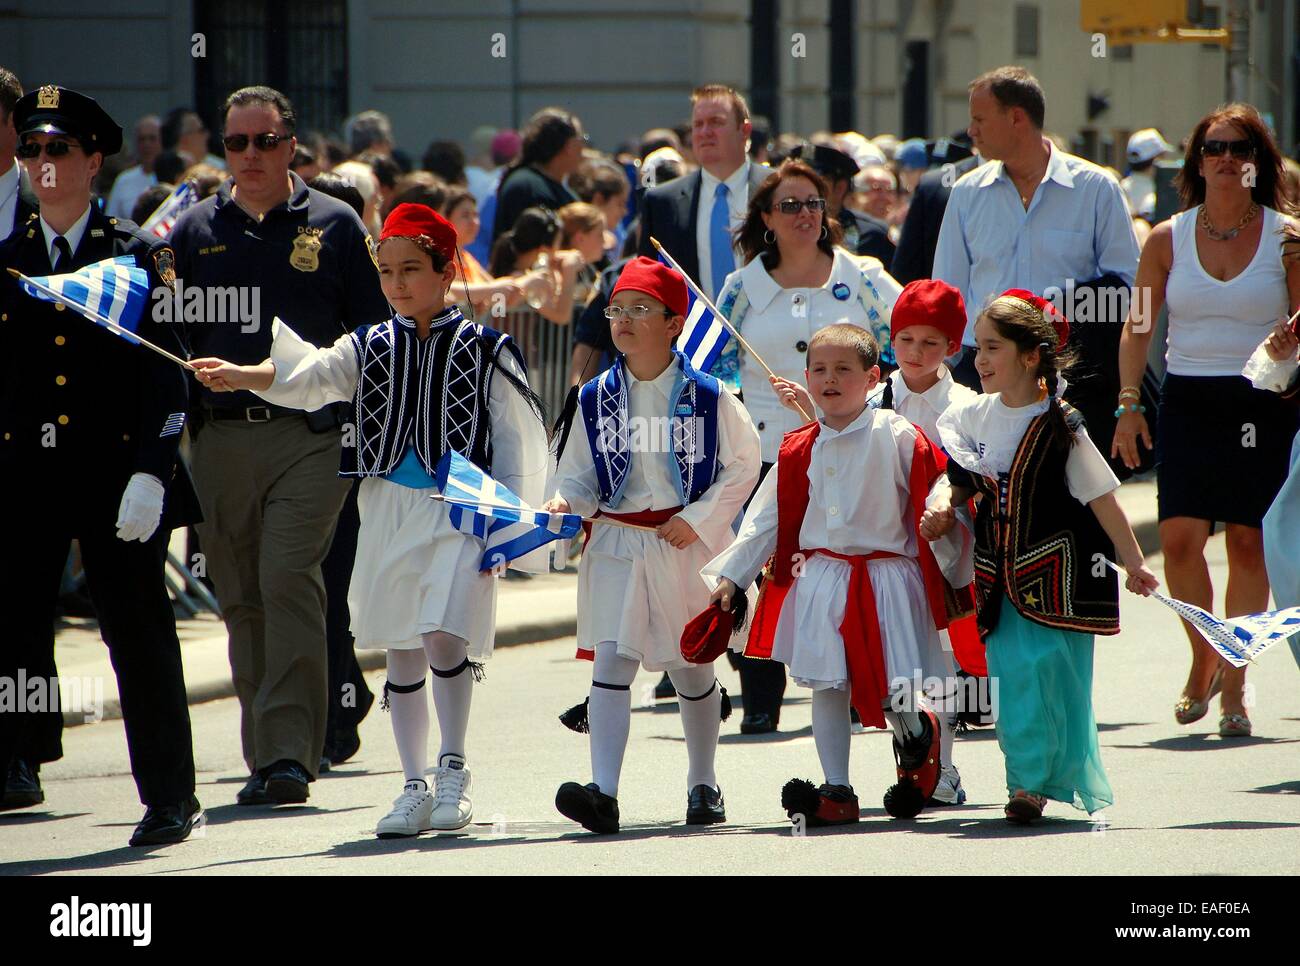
[[761, 723], [704, 806], [286, 783], [22, 786], [589, 807], [254, 791], [167, 824], [346, 744], [324, 766]]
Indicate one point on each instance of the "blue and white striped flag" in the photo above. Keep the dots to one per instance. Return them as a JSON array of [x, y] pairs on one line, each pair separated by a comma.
[[482, 507], [163, 219], [114, 290], [1239, 640], [704, 336]]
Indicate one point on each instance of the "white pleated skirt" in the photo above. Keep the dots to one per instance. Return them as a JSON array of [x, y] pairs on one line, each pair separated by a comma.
[[808, 639], [415, 574], [638, 590]]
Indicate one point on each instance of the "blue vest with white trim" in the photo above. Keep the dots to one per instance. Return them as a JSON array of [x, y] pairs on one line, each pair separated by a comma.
[[432, 393], [692, 421]]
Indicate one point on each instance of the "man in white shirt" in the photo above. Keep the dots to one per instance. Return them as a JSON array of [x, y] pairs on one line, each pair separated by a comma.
[[10, 170], [1034, 218], [695, 217], [132, 182]]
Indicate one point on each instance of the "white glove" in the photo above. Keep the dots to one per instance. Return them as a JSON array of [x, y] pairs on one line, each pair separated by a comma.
[[141, 509]]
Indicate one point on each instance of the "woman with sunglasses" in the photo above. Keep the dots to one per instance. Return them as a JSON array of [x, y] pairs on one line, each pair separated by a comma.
[[1223, 445], [796, 280]]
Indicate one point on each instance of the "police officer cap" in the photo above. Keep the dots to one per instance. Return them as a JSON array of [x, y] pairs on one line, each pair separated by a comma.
[[830, 162], [57, 110]]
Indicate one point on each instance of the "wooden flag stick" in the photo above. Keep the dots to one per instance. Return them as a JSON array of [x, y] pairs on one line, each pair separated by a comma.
[[96, 317], [470, 504], [720, 317]]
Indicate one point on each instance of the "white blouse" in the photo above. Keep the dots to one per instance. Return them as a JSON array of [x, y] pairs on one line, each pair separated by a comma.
[[650, 476], [925, 408], [983, 434]]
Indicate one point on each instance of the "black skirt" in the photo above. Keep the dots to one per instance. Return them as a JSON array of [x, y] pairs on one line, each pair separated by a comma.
[[1223, 449]]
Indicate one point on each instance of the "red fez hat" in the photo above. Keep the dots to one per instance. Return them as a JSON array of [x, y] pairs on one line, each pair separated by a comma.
[[1057, 320], [409, 220], [706, 636], [929, 301], [659, 281]]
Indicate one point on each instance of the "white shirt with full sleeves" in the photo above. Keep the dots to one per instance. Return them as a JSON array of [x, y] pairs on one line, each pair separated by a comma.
[[858, 503], [633, 588], [414, 572]]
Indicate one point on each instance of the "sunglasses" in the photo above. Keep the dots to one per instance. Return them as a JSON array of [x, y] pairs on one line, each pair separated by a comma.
[[634, 312], [263, 142], [53, 149], [791, 206], [1216, 149]]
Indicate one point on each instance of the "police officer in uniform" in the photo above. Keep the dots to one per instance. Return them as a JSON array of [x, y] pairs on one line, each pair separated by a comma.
[[89, 430]]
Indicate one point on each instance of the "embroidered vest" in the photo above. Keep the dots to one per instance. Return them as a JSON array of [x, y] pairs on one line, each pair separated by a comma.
[[434, 393], [692, 425], [1037, 543]]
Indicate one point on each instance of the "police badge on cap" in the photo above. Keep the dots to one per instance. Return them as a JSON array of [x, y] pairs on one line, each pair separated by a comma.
[[57, 110]]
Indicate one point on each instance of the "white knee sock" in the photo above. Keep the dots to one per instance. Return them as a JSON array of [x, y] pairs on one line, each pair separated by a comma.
[[831, 733], [701, 721], [609, 712], [452, 684], [409, 711]]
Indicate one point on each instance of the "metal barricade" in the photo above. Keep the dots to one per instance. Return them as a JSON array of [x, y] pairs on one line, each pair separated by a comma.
[[547, 349]]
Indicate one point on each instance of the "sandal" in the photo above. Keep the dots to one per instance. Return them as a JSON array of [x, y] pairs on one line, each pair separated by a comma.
[[1234, 726], [1189, 710], [1024, 807]]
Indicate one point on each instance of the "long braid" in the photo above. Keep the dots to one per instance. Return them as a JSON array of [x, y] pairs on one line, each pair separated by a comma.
[[1062, 438]]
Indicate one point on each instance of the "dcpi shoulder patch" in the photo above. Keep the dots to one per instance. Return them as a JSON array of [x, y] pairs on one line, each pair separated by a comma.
[[164, 260]]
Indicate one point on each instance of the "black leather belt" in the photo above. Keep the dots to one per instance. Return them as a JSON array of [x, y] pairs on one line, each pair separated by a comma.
[[250, 414]]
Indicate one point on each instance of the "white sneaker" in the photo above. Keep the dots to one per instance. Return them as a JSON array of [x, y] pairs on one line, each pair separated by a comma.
[[452, 808], [949, 790], [410, 814]]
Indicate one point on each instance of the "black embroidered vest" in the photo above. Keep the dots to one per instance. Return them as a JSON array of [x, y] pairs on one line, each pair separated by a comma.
[[1038, 544], [434, 393]]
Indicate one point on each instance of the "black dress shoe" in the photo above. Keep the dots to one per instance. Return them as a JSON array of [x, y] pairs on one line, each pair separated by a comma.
[[704, 806], [757, 724], [286, 783], [324, 765], [664, 689], [166, 824], [22, 786], [254, 791], [346, 744], [589, 807]]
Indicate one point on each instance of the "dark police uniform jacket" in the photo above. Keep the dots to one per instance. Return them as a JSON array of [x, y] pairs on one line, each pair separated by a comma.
[[311, 263], [82, 409]]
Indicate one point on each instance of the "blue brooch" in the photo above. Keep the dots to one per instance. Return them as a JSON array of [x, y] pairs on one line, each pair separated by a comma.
[[840, 291], [685, 409]]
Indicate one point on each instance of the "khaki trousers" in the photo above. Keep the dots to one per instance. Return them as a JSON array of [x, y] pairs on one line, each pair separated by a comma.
[[271, 495]]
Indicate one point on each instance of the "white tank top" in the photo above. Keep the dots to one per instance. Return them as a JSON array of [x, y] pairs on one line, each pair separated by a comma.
[[1214, 326]]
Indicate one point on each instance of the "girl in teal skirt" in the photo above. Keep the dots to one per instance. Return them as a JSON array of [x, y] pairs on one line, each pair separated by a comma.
[[1046, 524]]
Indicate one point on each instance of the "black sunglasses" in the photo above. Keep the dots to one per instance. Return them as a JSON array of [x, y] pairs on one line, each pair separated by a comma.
[[263, 142], [791, 206], [53, 149], [1216, 149]]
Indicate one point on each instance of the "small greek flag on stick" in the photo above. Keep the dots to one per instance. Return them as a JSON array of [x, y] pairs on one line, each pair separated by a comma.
[[112, 292], [704, 336], [163, 219], [1239, 640], [484, 508]]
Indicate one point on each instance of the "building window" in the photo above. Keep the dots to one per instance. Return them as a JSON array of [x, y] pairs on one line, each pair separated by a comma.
[[1026, 30], [299, 47]]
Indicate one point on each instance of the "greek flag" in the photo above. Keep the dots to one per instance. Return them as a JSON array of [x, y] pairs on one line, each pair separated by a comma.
[[1239, 640], [164, 217], [704, 337], [484, 508], [113, 291]]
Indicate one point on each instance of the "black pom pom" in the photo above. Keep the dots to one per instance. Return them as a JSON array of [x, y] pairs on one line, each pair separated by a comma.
[[904, 800], [739, 611], [800, 797], [726, 703], [575, 719], [477, 670]]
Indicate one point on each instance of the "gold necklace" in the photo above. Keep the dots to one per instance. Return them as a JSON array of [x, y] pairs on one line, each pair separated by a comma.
[[1231, 233]]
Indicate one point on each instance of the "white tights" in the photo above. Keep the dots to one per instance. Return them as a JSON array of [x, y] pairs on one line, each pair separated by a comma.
[[609, 711], [451, 700], [831, 732]]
